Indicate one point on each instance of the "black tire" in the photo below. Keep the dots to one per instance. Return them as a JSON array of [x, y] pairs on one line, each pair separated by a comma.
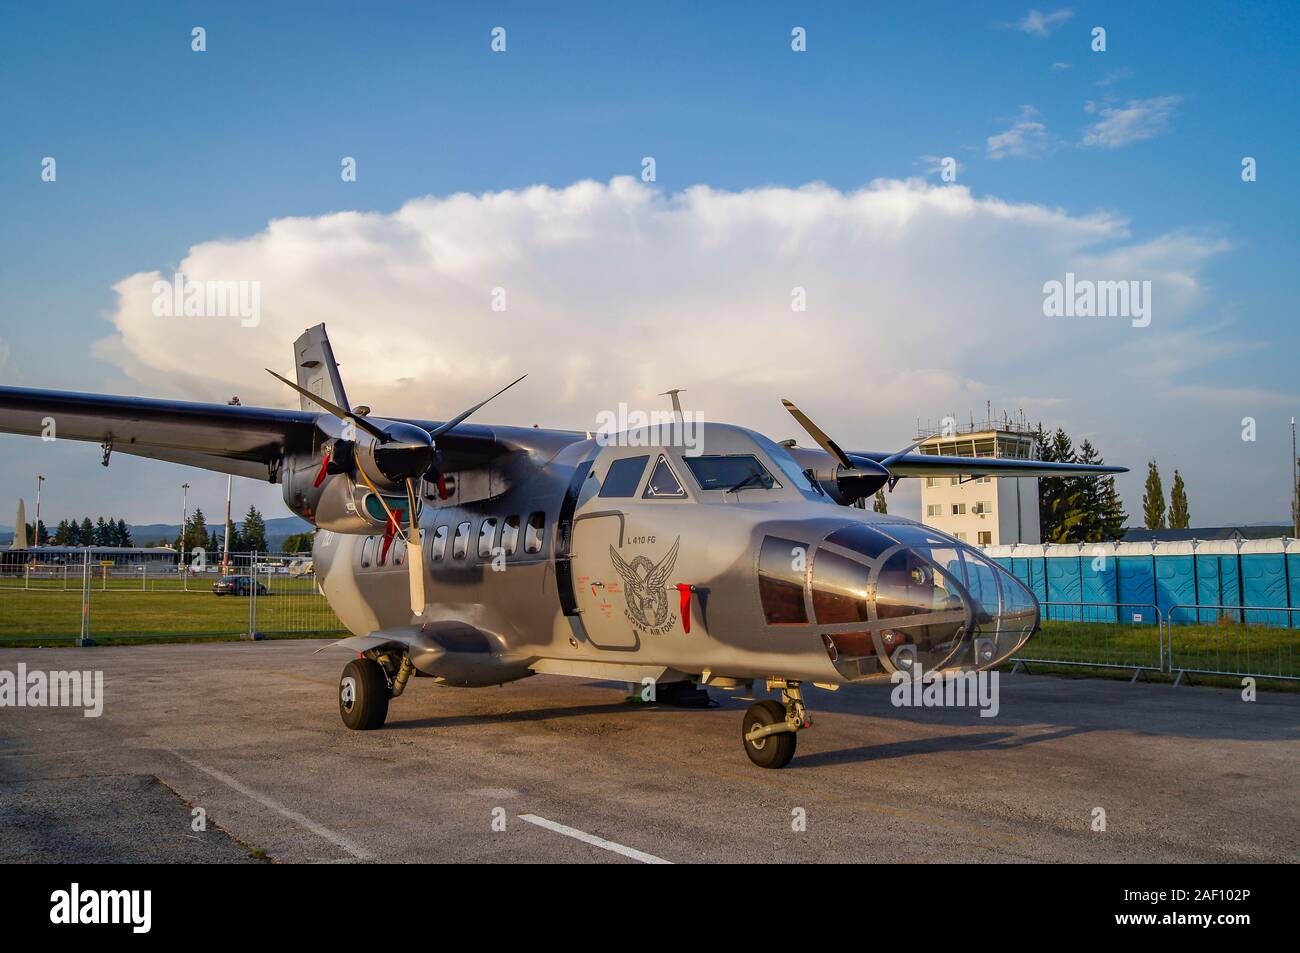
[[363, 695], [774, 751]]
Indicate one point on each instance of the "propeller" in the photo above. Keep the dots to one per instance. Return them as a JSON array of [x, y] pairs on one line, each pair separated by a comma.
[[854, 480], [402, 453]]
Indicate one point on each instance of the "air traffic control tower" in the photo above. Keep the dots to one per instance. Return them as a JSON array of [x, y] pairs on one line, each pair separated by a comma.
[[984, 511]]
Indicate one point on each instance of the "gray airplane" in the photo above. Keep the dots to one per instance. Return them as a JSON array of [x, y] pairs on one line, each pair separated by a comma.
[[662, 557]]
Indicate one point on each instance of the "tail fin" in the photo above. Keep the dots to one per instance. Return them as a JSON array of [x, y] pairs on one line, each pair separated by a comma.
[[317, 370]]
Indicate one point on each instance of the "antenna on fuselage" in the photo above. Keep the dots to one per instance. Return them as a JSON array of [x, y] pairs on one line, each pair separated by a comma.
[[677, 401]]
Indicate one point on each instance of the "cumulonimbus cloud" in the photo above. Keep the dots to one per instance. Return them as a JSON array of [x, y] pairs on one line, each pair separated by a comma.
[[920, 300]]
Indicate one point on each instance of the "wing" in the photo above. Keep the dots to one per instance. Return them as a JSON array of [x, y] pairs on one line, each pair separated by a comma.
[[659, 575], [245, 441], [931, 464]]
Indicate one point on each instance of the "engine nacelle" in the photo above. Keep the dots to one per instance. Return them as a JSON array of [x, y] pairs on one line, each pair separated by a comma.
[[336, 502]]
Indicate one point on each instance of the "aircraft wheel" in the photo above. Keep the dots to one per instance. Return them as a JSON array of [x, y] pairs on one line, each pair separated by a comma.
[[774, 751], [363, 695]]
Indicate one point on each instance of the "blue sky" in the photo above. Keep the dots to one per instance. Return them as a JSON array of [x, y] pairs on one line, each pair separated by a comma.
[[160, 149]]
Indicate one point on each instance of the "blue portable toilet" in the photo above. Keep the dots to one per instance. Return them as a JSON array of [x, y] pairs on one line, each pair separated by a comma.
[[1176, 580], [1218, 581], [1098, 574], [1135, 576], [1264, 580], [1064, 581]]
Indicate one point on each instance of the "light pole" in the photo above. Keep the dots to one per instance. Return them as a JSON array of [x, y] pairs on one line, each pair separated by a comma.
[[225, 546], [39, 480], [185, 515], [1295, 486]]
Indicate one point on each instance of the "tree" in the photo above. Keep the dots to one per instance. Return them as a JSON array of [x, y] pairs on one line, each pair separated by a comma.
[[1179, 517], [124, 534], [61, 534], [1060, 509], [1153, 500], [42, 535], [87, 534], [1090, 502], [254, 531], [879, 505], [196, 533], [297, 543], [1113, 518]]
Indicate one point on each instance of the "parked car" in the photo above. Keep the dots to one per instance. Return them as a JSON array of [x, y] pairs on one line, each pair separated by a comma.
[[236, 586]]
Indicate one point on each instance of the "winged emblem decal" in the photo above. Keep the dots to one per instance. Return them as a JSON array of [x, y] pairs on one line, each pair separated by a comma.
[[645, 587]]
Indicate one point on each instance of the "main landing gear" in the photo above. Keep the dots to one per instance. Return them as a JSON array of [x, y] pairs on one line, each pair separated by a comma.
[[366, 685], [768, 731]]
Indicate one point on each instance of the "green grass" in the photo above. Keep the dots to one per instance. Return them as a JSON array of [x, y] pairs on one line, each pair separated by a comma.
[[1223, 646], [40, 616]]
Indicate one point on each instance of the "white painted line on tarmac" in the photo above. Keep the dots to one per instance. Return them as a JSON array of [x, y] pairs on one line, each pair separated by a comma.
[[338, 840], [592, 839]]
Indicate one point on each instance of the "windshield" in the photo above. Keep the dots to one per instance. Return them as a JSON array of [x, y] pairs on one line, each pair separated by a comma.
[[735, 471]]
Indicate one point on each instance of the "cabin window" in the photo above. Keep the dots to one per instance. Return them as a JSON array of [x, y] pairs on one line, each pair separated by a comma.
[[438, 548], [510, 535], [781, 572], [487, 534], [367, 552], [533, 537], [663, 483], [624, 476], [460, 545]]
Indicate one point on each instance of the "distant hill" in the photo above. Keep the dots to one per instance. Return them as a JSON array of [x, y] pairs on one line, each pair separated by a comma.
[[277, 531]]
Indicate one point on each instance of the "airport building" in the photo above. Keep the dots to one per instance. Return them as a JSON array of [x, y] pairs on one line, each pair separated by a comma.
[[149, 558], [983, 511]]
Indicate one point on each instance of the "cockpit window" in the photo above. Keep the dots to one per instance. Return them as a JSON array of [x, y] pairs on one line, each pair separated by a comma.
[[732, 472], [909, 585], [623, 476], [863, 539], [841, 589], [782, 568], [663, 483]]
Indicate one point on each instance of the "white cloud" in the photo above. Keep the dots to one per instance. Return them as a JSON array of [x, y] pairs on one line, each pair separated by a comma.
[[922, 299], [1027, 138], [1041, 24], [1115, 76], [934, 165], [1140, 119], [1059, 67]]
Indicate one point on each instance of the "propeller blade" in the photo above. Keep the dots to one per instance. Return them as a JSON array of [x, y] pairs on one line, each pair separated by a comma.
[[375, 431], [824, 441], [414, 553], [460, 418]]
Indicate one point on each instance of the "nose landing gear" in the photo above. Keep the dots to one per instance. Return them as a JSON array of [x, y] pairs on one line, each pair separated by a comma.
[[769, 728]]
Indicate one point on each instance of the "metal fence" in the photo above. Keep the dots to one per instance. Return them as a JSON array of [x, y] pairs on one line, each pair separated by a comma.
[[1236, 641], [87, 601], [278, 596], [1116, 635]]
